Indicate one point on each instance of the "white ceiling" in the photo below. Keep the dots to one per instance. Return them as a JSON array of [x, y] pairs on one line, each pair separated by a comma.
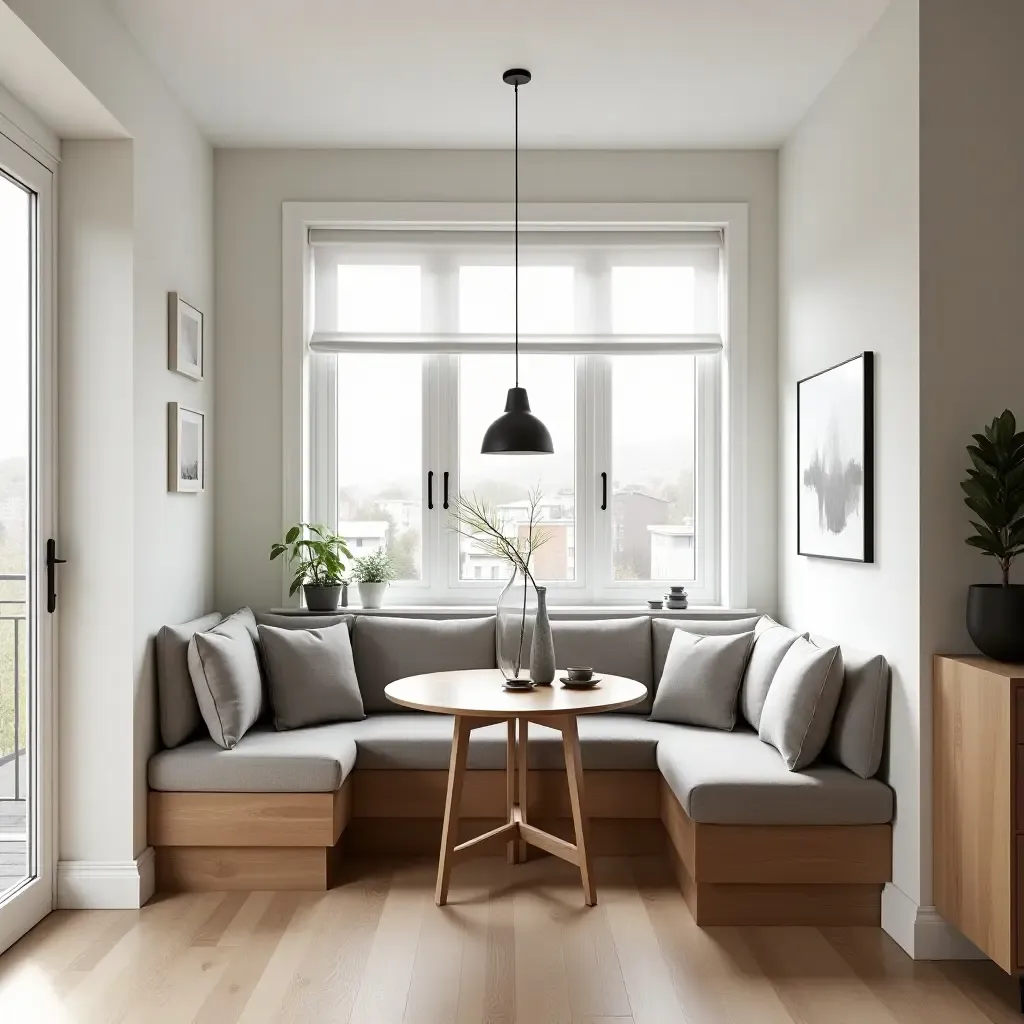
[[427, 73]]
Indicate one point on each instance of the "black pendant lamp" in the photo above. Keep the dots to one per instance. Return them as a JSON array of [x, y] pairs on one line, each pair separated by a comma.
[[517, 431]]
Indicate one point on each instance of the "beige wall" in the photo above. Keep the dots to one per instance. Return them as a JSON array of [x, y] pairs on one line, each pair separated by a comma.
[[848, 217], [972, 279], [250, 188]]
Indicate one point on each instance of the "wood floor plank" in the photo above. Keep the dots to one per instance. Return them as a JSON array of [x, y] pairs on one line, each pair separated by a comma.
[[487, 974], [542, 986], [648, 982], [325, 983], [228, 998], [911, 991], [384, 991], [716, 978], [813, 981], [515, 945]]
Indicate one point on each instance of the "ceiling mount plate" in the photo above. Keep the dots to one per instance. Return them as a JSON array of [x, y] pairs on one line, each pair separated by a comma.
[[516, 76]]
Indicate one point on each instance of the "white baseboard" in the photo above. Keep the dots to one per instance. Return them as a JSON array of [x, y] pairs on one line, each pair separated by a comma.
[[922, 932], [106, 885]]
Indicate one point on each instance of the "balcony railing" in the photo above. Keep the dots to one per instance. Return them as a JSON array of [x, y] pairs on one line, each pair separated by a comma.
[[12, 666]]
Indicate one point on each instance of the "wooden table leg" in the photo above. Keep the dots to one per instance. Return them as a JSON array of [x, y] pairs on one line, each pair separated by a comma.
[[574, 772], [450, 834], [522, 781], [510, 782]]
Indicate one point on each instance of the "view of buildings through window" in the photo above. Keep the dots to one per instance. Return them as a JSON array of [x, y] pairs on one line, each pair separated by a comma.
[[648, 402]]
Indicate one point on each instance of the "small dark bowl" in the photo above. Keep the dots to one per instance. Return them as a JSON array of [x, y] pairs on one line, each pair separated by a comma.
[[579, 674]]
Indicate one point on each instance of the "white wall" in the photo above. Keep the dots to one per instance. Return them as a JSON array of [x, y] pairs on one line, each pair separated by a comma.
[[169, 552], [252, 184], [848, 225], [972, 274]]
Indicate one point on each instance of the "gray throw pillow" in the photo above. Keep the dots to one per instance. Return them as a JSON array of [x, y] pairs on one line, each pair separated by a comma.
[[701, 679], [179, 713], [225, 675], [311, 676], [771, 641], [858, 729], [801, 702]]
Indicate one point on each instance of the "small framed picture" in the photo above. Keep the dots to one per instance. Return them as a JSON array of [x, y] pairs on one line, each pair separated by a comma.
[[186, 447], [835, 459], [184, 337]]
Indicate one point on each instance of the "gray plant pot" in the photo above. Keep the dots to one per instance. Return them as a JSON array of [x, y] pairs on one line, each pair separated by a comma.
[[371, 595], [321, 599]]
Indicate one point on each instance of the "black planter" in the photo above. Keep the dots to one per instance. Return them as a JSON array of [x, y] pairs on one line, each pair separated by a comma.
[[995, 620], [322, 599]]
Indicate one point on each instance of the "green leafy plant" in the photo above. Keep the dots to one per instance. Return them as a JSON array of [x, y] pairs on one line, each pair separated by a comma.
[[995, 492], [481, 523], [376, 567], [316, 559]]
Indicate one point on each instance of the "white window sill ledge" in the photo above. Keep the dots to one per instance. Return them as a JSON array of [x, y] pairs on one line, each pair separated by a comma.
[[590, 611]]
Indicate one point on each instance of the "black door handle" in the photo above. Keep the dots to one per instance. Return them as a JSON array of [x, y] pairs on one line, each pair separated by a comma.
[[604, 492], [446, 488], [52, 561], [430, 489]]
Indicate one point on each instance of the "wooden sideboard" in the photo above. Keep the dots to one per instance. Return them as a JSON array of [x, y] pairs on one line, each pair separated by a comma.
[[978, 803]]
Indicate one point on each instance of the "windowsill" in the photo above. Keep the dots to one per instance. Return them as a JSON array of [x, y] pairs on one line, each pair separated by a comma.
[[589, 611]]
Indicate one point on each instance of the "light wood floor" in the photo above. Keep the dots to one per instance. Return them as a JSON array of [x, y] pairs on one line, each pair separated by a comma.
[[515, 944]]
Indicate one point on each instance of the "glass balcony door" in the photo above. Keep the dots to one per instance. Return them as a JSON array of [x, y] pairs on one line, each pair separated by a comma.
[[27, 472]]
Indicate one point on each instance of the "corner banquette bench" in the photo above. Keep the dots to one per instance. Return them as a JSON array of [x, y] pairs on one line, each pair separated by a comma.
[[753, 842]]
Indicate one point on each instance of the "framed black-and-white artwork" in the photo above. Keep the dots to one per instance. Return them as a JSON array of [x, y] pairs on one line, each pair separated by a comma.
[[835, 460], [184, 337], [186, 446]]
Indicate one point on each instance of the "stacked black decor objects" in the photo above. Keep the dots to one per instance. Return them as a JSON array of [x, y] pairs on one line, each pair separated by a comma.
[[676, 598]]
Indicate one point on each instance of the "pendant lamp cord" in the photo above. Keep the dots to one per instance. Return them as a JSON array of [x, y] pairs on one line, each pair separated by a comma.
[[517, 234]]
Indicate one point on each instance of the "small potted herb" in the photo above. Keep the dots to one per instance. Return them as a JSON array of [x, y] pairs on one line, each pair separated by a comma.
[[373, 573], [994, 491], [317, 565]]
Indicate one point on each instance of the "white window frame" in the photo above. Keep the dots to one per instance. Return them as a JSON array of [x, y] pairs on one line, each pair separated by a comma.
[[721, 391]]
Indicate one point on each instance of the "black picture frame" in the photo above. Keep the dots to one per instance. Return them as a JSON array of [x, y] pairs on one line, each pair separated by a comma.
[[805, 545]]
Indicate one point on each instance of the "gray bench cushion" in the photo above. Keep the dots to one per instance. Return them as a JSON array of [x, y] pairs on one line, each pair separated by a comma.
[[319, 759], [303, 621], [735, 779], [315, 760], [423, 741], [387, 648]]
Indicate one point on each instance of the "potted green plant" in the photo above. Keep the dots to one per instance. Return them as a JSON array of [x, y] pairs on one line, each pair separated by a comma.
[[373, 573], [994, 491], [315, 554]]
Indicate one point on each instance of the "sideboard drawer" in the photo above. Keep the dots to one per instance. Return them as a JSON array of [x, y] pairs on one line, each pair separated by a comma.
[[1018, 711], [1018, 824]]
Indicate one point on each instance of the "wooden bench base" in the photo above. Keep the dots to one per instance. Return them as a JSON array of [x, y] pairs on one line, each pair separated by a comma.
[[729, 874]]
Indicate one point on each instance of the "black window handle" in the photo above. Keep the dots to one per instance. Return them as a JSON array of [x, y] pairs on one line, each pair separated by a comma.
[[52, 561], [446, 488], [430, 489], [604, 492]]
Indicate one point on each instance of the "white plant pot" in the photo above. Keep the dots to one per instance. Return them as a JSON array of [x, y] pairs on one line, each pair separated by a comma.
[[371, 595]]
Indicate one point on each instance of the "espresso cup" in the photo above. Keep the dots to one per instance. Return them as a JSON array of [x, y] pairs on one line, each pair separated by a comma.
[[579, 675]]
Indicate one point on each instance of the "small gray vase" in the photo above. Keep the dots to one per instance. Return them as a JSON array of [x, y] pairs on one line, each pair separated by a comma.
[[542, 650]]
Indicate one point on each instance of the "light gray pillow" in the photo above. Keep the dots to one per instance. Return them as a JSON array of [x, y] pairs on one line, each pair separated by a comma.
[[701, 679], [179, 713], [771, 641], [311, 676], [662, 631], [225, 675], [801, 702], [858, 729], [386, 648]]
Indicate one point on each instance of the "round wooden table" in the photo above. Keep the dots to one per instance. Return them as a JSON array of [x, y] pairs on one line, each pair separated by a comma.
[[476, 698]]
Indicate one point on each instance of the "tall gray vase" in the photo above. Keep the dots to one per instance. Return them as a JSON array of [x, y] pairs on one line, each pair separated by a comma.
[[542, 650]]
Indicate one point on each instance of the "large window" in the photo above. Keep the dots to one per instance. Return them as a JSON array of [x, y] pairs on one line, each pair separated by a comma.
[[620, 353]]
